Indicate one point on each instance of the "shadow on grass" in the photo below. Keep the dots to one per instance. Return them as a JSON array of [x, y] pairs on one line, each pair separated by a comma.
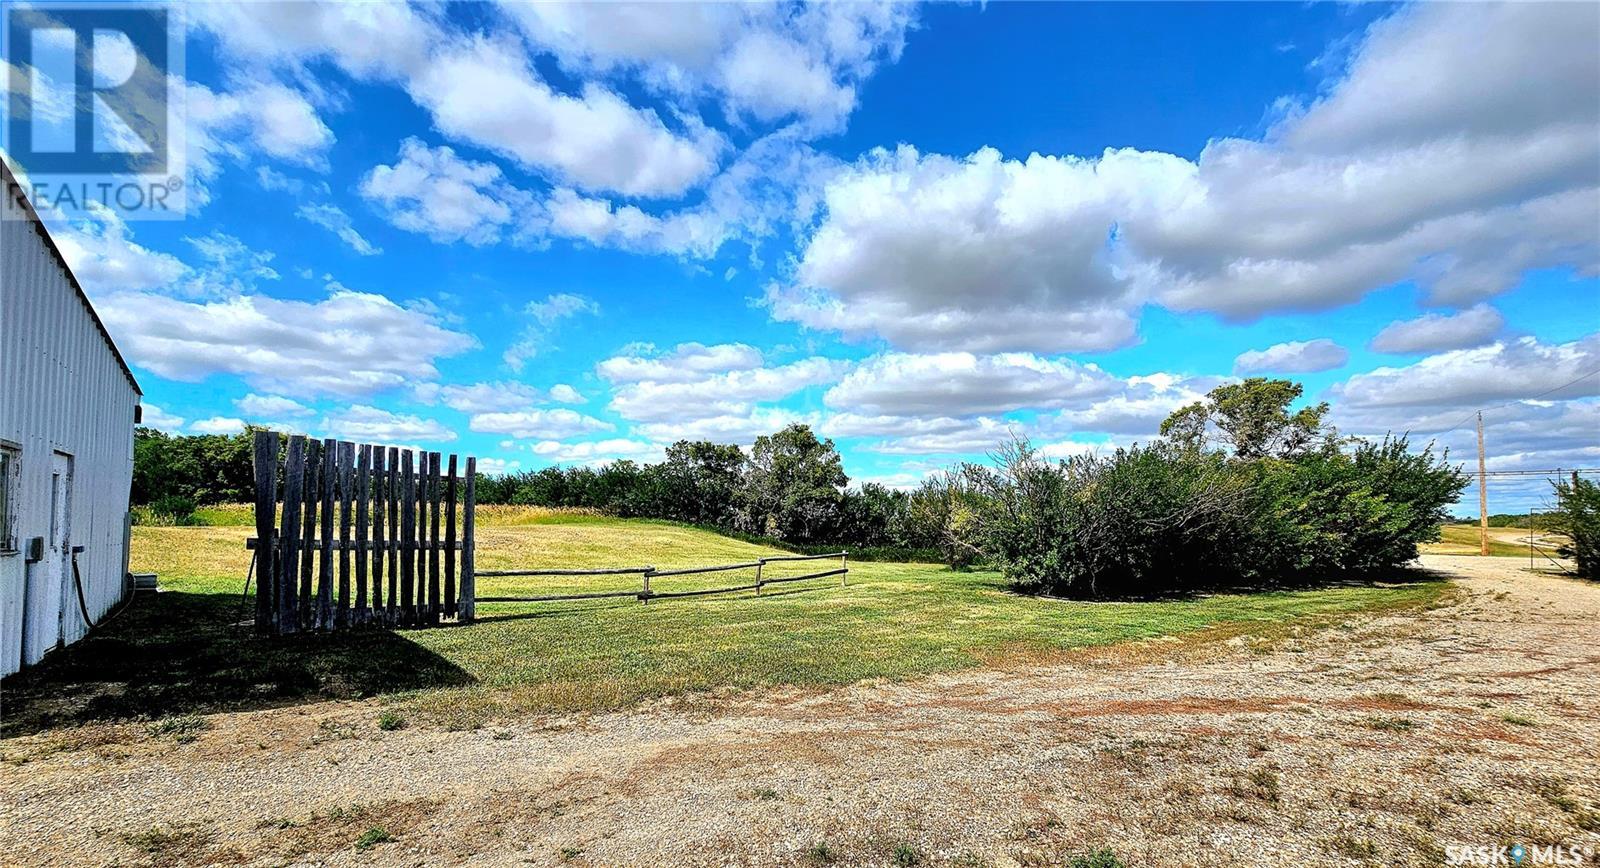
[[1397, 577], [560, 610], [177, 653]]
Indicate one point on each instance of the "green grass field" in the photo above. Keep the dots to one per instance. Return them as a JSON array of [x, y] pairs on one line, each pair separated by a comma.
[[184, 650], [1462, 539]]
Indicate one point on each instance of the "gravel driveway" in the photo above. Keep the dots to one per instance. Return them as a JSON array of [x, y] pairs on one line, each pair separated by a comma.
[[1383, 740]]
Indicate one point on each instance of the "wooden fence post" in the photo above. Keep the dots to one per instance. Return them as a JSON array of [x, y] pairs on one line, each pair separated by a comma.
[[330, 478], [844, 564], [294, 476], [451, 605], [759, 564], [392, 476], [363, 520], [266, 466], [467, 609], [434, 607], [379, 498], [347, 454], [408, 533], [308, 550]]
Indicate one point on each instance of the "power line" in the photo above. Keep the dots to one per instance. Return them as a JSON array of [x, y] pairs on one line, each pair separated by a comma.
[[1468, 417]]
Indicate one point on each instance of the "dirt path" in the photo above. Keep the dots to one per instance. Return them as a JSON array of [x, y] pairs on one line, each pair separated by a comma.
[[1383, 740]]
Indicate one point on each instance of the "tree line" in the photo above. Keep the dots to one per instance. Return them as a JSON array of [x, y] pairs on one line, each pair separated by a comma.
[[1238, 489]]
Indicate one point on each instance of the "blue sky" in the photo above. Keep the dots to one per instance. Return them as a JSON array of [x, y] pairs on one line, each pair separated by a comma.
[[555, 234]]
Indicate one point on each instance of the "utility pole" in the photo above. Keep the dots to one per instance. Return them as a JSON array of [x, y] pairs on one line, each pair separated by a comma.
[[1483, 494]]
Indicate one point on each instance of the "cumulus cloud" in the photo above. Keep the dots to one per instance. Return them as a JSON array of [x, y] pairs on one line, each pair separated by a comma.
[[957, 384], [335, 220], [728, 393], [562, 393], [543, 318], [498, 466], [1292, 357], [1507, 370], [483, 90], [687, 362], [348, 344], [537, 424], [1433, 332], [1344, 195], [258, 407], [737, 428], [1143, 403], [155, 417], [105, 259], [768, 63], [481, 397], [598, 451], [433, 192], [367, 424], [273, 118], [217, 425]]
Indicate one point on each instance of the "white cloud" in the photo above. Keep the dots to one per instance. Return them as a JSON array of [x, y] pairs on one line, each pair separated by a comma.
[[1292, 357], [960, 384], [498, 466], [482, 90], [348, 344], [481, 397], [543, 318], [767, 62], [728, 393], [1343, 196], [258, 407], [217, 425], [433, 192], [1463, 379], [1432, 332], [105, 259], [597, 451], [335, 220], [558, 424], [562, 393], [155, 417], [942, 435], [738, 428], [688, 362], [1139, 409], [277, 120], [367, 424]]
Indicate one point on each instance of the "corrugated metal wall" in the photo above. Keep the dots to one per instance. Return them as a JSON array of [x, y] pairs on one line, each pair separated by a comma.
[[62, 389]]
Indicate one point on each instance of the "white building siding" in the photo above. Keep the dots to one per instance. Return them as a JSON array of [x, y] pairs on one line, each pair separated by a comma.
[[63, 390]]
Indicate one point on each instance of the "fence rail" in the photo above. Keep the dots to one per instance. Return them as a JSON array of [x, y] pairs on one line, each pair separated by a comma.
[[645, 594]]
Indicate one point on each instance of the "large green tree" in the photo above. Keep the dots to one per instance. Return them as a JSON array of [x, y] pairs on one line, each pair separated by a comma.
[[793, 486], [1251, 418]]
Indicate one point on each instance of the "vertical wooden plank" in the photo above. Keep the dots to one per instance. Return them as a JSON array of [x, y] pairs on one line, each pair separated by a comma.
[[434, 607], [330, 477], [308, 548], [450, 541], [294, 475], [380, 497], [347, 460], [363, 524], [266, 467], [408, 538], [422, 537], [393, 478], [467, 609]]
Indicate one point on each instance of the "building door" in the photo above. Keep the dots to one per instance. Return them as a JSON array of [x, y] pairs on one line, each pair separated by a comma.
[[58, 550]]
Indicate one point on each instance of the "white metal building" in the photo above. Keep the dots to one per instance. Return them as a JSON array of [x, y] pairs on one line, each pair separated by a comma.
[[68, 405]]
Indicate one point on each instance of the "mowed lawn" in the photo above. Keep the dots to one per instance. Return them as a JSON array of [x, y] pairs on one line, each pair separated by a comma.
[[188, 650]]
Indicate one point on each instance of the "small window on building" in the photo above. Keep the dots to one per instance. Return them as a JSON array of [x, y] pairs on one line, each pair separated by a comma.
[[8, 489]]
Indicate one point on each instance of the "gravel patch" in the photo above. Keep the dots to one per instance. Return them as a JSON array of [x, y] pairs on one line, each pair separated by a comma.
[[1381, 740]]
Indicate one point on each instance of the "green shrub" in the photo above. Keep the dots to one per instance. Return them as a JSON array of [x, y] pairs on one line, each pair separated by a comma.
[[1175, 517], [1102, 858], [1578, 516]]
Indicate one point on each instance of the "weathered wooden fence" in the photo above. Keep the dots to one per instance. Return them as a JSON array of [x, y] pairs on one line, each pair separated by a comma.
[[397, 515], [644, 594]]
